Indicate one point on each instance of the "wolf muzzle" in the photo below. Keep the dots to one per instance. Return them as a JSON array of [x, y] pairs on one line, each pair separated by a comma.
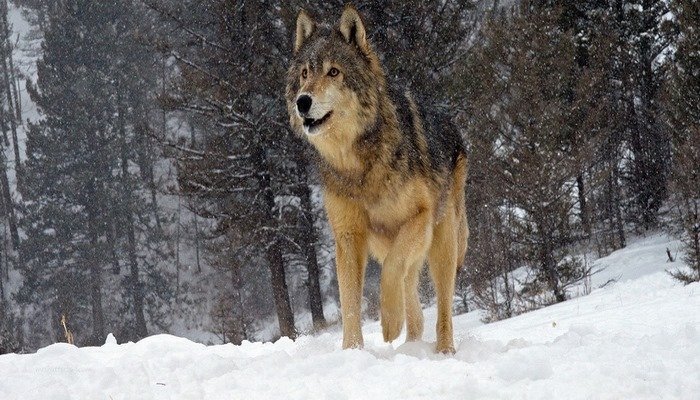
[[310, 124]]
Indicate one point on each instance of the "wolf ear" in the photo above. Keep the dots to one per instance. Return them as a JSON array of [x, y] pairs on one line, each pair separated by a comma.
[[353, 29], [305, 27]]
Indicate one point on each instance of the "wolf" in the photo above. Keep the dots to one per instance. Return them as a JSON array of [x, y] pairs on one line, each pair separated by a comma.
[[393, 177]]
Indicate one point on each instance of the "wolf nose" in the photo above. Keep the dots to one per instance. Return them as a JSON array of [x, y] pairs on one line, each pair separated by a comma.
[[304, 104]]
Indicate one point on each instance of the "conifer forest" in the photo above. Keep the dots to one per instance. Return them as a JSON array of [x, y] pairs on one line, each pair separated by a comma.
[[150, 182]]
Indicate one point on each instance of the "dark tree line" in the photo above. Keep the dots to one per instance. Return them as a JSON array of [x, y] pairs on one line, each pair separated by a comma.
[[682, 103], [569, 126], [162, 184]]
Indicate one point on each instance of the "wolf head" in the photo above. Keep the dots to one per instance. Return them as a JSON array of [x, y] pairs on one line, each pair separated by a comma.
[[335, 80]]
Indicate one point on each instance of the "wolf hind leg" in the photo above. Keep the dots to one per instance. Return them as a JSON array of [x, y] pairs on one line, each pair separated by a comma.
[[442, 259], [414, 310]]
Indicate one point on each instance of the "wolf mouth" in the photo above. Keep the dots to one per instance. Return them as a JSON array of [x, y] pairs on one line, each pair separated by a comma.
[[311, 124]]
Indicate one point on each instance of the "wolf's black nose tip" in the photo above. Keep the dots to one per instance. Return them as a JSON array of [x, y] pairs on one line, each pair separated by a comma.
[[304, 104]]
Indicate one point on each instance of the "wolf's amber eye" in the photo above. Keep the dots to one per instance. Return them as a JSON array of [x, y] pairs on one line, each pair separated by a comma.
[[304, 73], [333, 72]]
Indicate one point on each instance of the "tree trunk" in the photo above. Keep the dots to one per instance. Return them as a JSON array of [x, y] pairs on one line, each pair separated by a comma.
[[135, 288], [281, 293], [617, 209], [549, 266], [314, 285], [8, 116], [196, 225], [694, 233], [178, 228], [9, 83], [14, 81], [94, 192], [98, 319], [241, 314], [8, 203], [274, 254], [585, 214], [308, 243]]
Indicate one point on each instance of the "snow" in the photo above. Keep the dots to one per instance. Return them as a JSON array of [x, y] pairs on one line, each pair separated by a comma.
[[635, 338]]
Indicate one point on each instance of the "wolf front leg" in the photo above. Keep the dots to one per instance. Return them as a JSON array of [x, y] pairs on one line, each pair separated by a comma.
[[349, 224], [408, 251]]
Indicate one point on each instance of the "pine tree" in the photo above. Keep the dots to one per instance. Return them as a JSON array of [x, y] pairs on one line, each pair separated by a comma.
[[683, 110], [530, 149], [89, 162], [600, 86], [239, 169], [642, 40]]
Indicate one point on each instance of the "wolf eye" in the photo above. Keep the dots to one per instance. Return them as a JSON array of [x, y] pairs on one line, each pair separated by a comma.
[[304, 73], [333, 72]]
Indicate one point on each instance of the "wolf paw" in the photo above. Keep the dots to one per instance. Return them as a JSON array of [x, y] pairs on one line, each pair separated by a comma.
[[352, 343], [392, 312], [391, 328], [392, 323], [445, 348]]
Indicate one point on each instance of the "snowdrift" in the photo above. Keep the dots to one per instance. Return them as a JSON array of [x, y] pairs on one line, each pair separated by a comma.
[[637, 338]]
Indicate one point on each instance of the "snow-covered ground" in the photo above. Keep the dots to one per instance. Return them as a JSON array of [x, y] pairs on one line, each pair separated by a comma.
[[637, 338]]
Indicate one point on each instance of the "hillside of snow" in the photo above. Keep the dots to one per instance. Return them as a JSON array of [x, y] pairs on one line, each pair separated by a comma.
[[636, 338]]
